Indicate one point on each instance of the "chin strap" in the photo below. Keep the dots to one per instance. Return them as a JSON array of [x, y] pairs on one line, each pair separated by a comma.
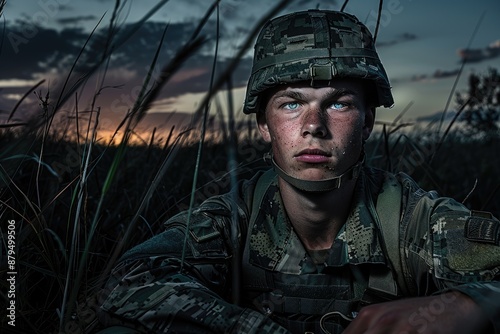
[[320, 185]]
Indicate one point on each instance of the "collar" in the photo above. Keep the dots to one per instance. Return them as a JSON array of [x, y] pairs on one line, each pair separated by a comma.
[[275, 246]]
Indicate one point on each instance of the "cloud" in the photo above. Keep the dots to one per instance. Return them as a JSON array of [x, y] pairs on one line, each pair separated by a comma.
[[301, 4], [438, 74], [192, 77], [405, 37], [469, 55], [30, 49], [49, 54], [77, 19], [479, 55], [437, 116]]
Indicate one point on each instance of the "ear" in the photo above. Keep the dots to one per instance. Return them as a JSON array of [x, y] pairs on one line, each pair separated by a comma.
[[263, 128], [369, 122]]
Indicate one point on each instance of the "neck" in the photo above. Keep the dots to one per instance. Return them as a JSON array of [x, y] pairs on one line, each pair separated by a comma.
[[317, 216]]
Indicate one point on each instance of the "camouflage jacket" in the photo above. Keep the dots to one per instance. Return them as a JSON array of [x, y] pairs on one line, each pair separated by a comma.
[[246, 271]]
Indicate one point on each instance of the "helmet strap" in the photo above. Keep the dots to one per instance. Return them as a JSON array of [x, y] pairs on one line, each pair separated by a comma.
[[319, 185]]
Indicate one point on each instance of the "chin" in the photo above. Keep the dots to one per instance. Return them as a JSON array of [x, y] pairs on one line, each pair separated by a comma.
[[315, 175]]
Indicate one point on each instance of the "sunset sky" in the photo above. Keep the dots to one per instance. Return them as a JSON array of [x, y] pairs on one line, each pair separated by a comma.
[[421, 43]]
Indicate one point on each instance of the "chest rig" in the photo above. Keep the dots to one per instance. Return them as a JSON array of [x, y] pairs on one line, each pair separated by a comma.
[[325, 300]]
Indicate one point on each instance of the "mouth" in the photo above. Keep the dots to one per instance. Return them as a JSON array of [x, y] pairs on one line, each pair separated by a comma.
[[313, 156]]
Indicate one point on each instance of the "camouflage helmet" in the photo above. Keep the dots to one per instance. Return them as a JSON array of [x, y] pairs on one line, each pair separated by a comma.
[[315, 45]]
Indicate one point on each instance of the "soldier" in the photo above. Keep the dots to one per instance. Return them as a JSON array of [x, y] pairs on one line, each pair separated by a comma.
[[320, 243]]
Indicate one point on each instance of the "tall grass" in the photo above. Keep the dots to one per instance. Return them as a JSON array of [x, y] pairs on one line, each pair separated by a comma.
[[68, 238], [78, 202]]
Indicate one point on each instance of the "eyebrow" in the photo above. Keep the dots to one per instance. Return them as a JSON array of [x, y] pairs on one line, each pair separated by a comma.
[[297, 95]]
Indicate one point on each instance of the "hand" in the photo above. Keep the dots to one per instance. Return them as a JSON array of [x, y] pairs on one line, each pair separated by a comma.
[[451, 312]]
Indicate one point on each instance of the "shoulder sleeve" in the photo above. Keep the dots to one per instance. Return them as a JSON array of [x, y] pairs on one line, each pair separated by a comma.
[[151, 291], [449, 247], [464, 248], [467, 257]]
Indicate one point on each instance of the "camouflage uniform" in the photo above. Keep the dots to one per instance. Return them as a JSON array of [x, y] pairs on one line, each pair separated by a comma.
[[443, 247], [245, 269]]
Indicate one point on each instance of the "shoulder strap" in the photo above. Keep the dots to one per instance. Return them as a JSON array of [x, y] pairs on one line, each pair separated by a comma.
[[250, 274], [388, 209], [260, 189]]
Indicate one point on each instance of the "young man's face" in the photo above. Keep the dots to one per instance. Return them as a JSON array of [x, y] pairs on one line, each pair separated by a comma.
[[317, 133]]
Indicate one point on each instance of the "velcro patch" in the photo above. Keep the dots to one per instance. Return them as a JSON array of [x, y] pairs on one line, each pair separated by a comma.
[[481, 229], [202, 228], [457, 257]]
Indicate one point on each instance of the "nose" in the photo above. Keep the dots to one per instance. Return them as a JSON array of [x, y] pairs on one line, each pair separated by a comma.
[[314, 123]]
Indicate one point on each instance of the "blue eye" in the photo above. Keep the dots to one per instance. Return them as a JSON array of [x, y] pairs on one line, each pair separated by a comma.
[[292, 105], [338, 105]]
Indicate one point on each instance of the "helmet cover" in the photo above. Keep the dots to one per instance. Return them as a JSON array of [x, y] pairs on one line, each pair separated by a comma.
[[315, 45]]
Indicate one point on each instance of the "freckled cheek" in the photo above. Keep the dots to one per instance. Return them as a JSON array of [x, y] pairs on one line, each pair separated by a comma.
[[283, 134], [356, 140], [282, 142], [347, 137]]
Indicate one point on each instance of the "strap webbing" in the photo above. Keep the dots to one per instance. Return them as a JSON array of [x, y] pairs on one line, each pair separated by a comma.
[[263, 183], [308, 306], [388, 209], [320, 185]]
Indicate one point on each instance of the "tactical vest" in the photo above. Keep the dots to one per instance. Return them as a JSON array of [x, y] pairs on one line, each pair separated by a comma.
[[310, 303]]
